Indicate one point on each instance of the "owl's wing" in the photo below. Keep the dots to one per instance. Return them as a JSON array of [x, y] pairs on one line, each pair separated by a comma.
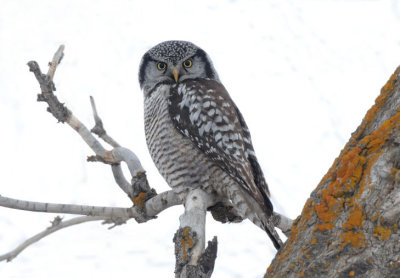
[[203, 111], [258, 174]]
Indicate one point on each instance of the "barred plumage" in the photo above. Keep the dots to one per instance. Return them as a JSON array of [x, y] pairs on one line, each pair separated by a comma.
[[195, 133]]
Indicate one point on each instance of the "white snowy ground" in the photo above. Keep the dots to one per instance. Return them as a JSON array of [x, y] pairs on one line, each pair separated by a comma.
[[302, 72]]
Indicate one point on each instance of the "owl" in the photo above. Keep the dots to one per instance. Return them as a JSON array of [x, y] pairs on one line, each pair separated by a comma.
[[197, 136]]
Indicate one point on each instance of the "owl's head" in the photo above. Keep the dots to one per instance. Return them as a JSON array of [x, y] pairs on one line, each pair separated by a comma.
[[172, 62]]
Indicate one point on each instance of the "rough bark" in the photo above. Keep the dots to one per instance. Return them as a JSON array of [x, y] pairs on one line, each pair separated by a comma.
[[192, 260], [349, 225]]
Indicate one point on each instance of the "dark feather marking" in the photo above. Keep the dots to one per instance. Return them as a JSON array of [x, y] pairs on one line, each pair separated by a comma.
[[255, 166], [209, 71]]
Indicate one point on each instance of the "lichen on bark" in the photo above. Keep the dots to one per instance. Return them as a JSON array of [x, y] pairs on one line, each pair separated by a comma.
[[349, 225]]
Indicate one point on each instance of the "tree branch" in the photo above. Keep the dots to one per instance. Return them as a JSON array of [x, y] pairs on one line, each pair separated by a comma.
[[192, 261], [98, 129], [114, 215], [282, 222], [55, 62], [118, 154], [152, 207], [57, 224]]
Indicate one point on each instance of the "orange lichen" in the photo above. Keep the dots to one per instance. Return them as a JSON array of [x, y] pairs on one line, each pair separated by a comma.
[[346, 177], [344, 183], [381, 232], [140, 199], [356, 239], [355, 219], [186, 242], [138, 173], [326, 215], [308, 209], [314, 240], [343, 187], [380, 101], [352, 228], [349, 162]]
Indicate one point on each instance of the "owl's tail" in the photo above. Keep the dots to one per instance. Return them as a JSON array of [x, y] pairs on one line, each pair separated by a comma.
[[264, 222], [269, 228], [247, 207]]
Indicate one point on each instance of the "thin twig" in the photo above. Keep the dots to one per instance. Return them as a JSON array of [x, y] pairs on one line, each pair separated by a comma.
[[53, 228], [55, 62], [99, 128]]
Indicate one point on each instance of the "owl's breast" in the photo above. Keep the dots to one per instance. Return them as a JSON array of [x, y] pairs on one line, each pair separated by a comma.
[[178, 160]]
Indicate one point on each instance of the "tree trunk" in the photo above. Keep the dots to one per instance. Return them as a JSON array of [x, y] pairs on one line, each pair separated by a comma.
[[349, 225]]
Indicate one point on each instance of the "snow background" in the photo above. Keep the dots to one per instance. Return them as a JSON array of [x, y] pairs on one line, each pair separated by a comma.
[[303, 73]]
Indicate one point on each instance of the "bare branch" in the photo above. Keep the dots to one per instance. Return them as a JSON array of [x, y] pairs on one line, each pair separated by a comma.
[[56, 225], [86, 135], [151, 208], [68, 208], [114, 157], [57, 109], [110, 215], [282, 222], [161, 202], [205, 265], [55, 62], [139, 181], [191, 258], [98, 129], [121, 180], [126, 155]]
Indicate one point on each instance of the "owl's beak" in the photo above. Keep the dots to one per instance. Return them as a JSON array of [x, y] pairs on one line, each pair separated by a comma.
[[176, 75]]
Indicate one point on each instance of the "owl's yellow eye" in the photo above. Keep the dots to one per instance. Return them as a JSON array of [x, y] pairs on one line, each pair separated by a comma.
[[188, 63], [161, 66]]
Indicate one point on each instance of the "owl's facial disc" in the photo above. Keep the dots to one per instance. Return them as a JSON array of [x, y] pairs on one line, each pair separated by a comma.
[[185, 65], [173, 62]]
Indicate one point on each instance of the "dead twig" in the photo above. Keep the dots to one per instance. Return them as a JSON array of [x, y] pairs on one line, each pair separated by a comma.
[[9, 256]]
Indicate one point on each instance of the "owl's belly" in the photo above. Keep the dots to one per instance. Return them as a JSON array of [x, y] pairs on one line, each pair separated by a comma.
[[178, 160]]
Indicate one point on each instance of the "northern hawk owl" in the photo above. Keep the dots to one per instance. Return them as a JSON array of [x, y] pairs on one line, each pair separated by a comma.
[[197, 136]]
